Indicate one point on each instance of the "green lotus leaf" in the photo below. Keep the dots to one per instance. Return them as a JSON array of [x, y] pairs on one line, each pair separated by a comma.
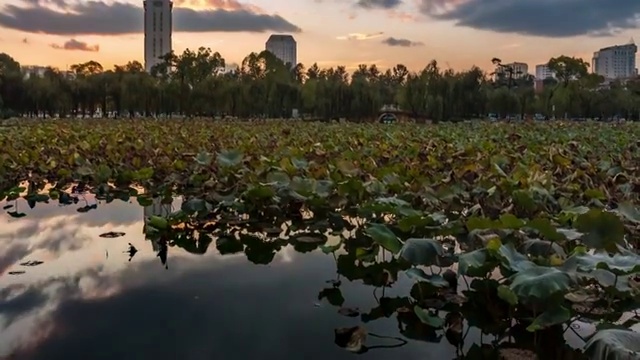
[[158, 222], [103, 173], [505, 293], [230, 158], [543, 248], [300, 164], [393, 201], [570, 234], [144, 200], [428, 319], [204, 158], [279, 178], [476, 263], [328, 249], [259, 192], [539, 283], [144, 174], [194, 205], [603, 230], [512, 259], [553, 316], [323, 188], [510, 221], [619, 263], [607, 280], [386, 238], [614, 344], [545, 228], [421, 251], [435, 280], [84, 171], [629, 211]]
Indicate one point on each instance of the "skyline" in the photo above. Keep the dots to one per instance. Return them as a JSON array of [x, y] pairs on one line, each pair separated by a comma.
[[456, 33]]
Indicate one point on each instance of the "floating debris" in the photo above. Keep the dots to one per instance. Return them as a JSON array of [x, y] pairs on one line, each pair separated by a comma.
[[349, 312], [32, 263], [112, 234]]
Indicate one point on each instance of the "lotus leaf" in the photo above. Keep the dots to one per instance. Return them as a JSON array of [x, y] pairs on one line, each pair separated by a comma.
[[553, 316], [505, 293], [428, 319], [421, 251], [435, 280], [614, 344], [630, 212], [386, 238], [539, 283], [204, 158], [619, 263], [537, 247], [279, 178], [603, 230], [512, 259], [476, 263], [229, 158]]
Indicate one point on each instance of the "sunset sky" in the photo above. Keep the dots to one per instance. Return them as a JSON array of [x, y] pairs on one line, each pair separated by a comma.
[[457, 33]]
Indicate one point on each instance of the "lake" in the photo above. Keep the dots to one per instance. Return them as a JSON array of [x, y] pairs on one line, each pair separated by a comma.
[[88, 299]]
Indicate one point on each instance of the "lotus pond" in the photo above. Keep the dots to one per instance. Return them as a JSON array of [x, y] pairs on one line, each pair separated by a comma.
[[197, 239]]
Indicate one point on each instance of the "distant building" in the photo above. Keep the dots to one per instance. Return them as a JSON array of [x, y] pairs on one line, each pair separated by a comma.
[[543, 72], [33, 70], [520, 70], [616, 62], [157, 31], [284, 47], [226, 70]]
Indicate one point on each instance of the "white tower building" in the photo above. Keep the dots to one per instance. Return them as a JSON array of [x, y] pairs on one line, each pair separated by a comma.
[[157, 31], [284, 47]]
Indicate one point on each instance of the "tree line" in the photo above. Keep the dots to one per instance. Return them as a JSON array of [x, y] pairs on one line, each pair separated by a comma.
[[194, 84]]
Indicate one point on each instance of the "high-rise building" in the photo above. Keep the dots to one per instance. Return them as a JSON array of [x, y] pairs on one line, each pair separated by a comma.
[[616, 62], [543, 72], [157, 31], [284, 47]]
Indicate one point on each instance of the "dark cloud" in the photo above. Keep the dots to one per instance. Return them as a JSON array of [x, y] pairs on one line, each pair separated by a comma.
[[391, 41], [382, 4], [12, 307], [100, 18], [550, 18], [74, 45], [10, 256]]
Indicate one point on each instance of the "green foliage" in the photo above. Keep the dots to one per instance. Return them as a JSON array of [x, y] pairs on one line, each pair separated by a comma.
[[197, 83]]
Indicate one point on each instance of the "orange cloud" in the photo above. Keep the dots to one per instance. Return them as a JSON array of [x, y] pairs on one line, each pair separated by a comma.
[[228, 5], [360, 36], [401, 15], [75, 45]]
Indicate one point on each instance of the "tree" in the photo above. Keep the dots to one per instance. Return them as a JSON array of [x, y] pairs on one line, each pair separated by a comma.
[[197, 83]]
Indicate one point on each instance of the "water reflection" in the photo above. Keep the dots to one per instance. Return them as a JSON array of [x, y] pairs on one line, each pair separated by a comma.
[[87, 300]]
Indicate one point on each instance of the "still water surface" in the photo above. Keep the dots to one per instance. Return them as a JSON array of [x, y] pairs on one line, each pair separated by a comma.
[[88, 301]]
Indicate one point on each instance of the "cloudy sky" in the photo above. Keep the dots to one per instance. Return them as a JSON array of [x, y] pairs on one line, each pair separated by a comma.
[[457, 33]]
